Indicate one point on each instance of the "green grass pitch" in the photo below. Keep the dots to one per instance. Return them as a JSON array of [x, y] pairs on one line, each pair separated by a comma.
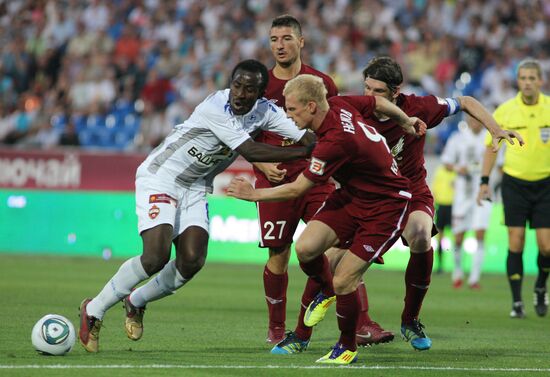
[[216, 326]]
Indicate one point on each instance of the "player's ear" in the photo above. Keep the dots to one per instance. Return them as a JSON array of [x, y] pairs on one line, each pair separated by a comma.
[[311, 107], [396, 92]]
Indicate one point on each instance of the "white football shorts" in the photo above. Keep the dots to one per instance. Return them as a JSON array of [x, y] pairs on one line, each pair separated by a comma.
[[164, 203], [467, 215]]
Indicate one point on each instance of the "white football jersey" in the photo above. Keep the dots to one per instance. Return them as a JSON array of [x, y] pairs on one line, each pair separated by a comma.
[[466, 149], [204, 145]]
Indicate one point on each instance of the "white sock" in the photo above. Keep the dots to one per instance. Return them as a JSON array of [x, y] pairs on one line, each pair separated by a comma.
[[477, 263], [167, 281], [457, 271], [128, 275]]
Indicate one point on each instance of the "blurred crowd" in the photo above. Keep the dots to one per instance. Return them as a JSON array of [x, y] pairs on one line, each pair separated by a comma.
[[119, 74]]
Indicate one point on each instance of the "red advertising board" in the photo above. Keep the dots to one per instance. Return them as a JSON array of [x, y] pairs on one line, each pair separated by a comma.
[[74, 169]]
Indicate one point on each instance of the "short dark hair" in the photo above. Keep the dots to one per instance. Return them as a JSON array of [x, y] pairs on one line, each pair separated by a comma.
[[385, 69], [253, 66], [287, 20]]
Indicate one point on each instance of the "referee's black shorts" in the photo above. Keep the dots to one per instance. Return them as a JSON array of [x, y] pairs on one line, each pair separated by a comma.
[[443, 216], [526, 201]]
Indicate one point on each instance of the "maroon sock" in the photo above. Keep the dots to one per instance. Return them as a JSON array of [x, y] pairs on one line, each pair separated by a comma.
[[347, 310], [275, 296], [319, 270], [364, 318], [310, 291], [417, 281]]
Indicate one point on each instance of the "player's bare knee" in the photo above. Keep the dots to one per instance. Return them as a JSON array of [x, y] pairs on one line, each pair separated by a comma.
[[189, 265], [420, 242], [154, 262]]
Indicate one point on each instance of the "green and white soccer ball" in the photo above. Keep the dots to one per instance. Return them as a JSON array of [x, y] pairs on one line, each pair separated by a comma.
[[53, 334]]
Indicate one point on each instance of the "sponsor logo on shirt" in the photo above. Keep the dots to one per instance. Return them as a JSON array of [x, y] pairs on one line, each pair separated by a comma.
[[207, 159], [317, 166], [154, 212]]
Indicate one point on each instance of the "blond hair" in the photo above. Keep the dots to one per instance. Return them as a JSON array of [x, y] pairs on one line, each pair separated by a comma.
[[307, 88]]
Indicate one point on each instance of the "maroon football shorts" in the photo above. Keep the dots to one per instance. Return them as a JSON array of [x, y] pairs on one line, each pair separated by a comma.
[[422, 200], [368, 228], [279, 220]]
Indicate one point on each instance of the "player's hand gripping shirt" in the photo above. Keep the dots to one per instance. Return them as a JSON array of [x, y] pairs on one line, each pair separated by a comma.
[[354, 153], [274, 92], [204, 145]]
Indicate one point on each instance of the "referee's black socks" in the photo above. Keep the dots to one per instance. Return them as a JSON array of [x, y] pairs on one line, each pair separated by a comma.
[[543, 263], [514, 269]]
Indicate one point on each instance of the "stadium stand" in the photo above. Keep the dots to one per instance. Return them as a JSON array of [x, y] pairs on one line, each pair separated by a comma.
[[121, 73]]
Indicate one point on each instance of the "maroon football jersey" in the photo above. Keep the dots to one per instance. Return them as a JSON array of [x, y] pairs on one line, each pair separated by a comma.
[[274, 92], [354, 153], [408, 150]]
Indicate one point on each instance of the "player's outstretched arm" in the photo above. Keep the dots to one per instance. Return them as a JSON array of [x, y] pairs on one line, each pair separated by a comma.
[[489, 159], [242, 189], [260, 152], [476, 110], [411, 125]]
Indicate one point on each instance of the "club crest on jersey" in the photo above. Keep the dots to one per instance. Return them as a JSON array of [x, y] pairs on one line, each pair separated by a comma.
[[317, 166], [545, 134], [154, 212], [398, 148]]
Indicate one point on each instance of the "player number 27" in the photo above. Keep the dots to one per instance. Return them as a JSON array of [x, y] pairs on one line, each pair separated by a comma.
[[270, 226]]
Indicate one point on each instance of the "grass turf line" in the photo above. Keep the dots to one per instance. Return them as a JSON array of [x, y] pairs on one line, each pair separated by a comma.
[[216, 325]]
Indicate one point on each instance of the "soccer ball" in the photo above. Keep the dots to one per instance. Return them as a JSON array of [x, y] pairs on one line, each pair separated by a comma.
[[53, 334]]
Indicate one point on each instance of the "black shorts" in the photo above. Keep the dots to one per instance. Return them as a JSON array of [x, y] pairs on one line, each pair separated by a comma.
[[526, 201], [443, 216]]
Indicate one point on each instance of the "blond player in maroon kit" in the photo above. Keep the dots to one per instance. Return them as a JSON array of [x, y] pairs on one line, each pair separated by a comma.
[[365, 215], [383, 78], [279, 220]]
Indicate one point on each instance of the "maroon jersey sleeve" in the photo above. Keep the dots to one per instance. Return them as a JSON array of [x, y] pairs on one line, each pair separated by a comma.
[[430, 109], [365, 105], [327, 157]]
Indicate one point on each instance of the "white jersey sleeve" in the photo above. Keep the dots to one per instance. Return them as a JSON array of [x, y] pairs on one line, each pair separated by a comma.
[[278, 122], [450, 152]]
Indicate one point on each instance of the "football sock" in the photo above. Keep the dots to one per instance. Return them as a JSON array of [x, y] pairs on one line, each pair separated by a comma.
[[477, 263], [165, 283], [457, 256], [417, 281], [363, 298], [318, 269], [128, 275], [543, 263], [347, 310], [275, 296], [514, 270], [310, 291]]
